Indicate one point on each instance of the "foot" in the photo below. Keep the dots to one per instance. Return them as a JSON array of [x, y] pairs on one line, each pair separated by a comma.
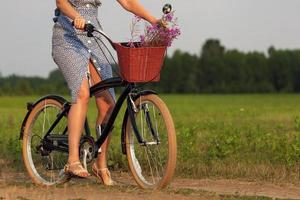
[[76, 169], [103, 174]]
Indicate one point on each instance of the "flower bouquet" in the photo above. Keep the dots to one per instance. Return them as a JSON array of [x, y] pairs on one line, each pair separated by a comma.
[[142, 57]]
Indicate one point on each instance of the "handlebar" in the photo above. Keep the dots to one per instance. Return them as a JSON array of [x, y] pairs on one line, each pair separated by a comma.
[[89, 28]]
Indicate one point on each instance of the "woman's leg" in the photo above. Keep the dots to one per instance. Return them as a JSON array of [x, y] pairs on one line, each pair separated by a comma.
[[105, 104], [76, 118]]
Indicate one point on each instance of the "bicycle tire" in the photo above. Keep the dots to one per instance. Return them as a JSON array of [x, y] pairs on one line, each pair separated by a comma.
[[137, 163]]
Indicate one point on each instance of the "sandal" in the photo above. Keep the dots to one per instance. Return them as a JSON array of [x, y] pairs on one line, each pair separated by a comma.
[[103, 175], [76, 169]]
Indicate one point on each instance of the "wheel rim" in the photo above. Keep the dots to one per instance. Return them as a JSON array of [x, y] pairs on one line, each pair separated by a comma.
[[48, 169], [149, 161]]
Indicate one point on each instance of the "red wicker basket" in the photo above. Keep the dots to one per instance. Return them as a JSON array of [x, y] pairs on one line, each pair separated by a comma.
[[140, 64]]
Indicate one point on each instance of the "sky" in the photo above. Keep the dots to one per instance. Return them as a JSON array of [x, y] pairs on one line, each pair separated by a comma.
[[247, 25]]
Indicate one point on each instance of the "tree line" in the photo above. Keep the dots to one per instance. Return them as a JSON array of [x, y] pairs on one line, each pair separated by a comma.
[[215, 70]]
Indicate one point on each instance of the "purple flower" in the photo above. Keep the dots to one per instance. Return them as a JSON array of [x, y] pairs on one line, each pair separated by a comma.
[[156, 35], [169, 17]]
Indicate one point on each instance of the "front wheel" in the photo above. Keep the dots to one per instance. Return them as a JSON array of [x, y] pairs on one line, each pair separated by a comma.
[[152, 163]]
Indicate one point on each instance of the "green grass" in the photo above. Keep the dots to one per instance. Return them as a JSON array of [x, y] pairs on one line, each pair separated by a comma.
[[229, 136]]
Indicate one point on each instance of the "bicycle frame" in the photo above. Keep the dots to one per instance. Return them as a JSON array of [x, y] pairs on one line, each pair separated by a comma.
[[129, 94]]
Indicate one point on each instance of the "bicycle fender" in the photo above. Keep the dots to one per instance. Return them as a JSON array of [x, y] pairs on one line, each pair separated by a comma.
[[143, 93], [126, 115], [30, 106]]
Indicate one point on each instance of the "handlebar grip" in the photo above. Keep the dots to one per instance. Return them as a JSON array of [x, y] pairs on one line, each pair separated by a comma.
[[87, 27]]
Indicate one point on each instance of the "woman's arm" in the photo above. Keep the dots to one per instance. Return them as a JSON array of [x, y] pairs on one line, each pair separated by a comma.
[[136, 8], [67, 9]]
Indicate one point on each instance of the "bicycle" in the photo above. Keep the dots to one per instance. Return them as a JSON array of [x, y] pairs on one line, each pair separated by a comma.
[[148, 136]]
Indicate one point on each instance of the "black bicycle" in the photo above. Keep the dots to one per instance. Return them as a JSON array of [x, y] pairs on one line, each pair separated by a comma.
[[148, 137]]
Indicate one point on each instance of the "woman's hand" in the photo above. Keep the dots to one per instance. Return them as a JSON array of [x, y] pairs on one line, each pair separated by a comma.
[[66, 8], [162, 23], [79, 22]]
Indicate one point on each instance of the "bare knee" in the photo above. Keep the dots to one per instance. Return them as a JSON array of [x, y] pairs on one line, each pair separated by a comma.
[[106, 107], [105, 104], [110, 103], [83, 96], [110, 107]]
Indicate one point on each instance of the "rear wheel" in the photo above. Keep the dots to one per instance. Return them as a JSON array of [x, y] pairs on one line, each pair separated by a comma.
[[153, 163], [45, 167]]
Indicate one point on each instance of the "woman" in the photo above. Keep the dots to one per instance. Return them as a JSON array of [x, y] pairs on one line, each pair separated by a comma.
[[78, 58]]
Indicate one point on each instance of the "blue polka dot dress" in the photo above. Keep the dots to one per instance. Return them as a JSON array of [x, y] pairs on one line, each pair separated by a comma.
[[72, 49]]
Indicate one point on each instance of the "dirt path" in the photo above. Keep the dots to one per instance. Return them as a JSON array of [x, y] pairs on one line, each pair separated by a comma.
[[87, 192], [241, 188], [17, 186]]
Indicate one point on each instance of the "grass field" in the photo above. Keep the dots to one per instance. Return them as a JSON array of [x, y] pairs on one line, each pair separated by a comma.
[[255, 137]]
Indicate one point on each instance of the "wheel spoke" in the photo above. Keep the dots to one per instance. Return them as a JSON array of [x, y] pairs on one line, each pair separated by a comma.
[[149, 163], [44, 111]]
